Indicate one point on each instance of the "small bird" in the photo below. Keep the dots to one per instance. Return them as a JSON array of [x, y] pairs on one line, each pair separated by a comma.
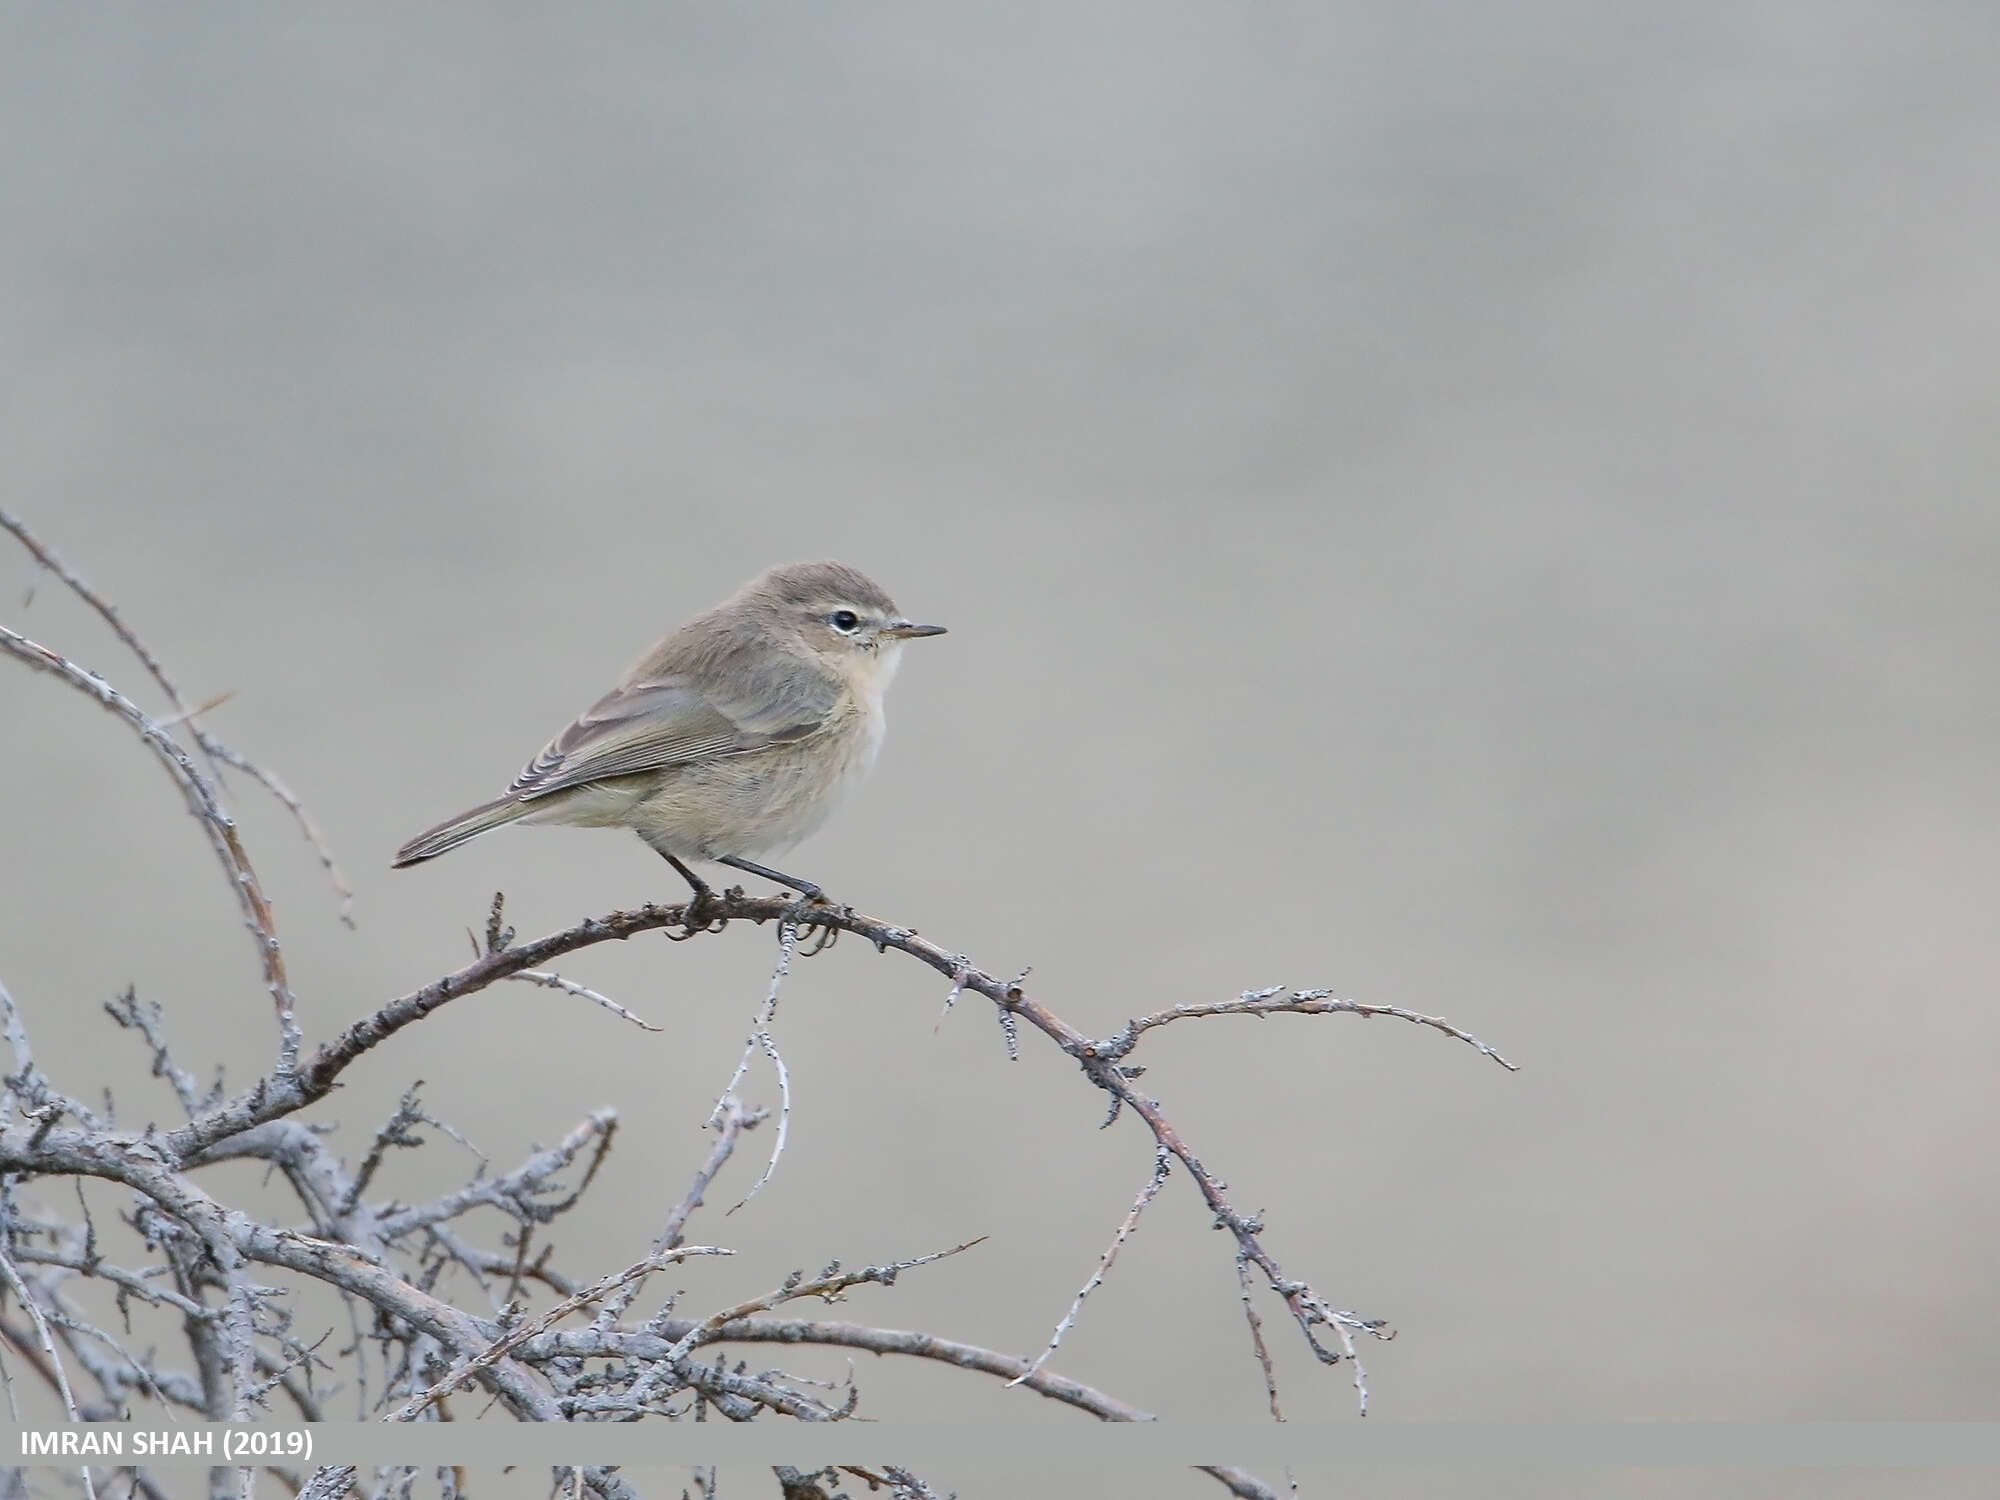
[[735, 736]]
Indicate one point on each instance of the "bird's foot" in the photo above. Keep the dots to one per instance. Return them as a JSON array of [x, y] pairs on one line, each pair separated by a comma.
[[824, 936], [700, 914]]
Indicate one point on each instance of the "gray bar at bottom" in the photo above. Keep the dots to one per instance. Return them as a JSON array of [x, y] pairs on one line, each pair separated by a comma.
[[809, 1445]]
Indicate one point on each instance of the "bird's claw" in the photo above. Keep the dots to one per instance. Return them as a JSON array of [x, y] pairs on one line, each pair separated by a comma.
[[693, 916], [824, 936]]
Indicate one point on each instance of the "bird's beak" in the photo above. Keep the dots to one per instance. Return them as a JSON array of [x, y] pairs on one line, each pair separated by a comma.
[[903, 630]]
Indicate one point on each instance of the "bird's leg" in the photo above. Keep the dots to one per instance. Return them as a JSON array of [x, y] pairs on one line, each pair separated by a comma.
[[700, 894], [809, 895], [804, 887], [696, 884]]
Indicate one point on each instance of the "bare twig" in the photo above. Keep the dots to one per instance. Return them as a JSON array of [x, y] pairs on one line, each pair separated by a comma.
[[187, 714], [770, 1046], [34, 1310], [1263, 1354], [571, 987], [1265, 1002], [1257, 1340], [760, 1035], [26, 1088], [511, 1194], [829, 1284], [210, 746], [322, 850], [396, 1131], [652, 1344], [951, 997], [1162, 1160], [202, 802], [501, 1347], [146, 1020], [734, 1120]]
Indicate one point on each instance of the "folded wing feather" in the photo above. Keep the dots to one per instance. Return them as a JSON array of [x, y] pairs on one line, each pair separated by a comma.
[[652, 724]]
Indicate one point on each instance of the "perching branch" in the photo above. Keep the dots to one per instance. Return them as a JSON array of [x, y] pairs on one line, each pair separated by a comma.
[[1101, 1061]]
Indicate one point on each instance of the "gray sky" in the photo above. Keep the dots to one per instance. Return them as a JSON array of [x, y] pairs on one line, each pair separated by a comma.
[[1487, 512]]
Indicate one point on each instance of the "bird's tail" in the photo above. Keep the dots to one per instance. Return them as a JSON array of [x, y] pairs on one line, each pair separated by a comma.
[[455, 831]]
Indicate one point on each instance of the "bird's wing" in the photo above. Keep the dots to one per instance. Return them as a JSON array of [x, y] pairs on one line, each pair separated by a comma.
[[652, 723]]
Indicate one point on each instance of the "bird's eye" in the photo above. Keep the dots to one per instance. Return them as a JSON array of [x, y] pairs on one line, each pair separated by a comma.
[[846, 621]]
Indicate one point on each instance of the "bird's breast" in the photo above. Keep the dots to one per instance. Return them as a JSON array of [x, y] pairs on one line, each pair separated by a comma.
[[765, 802]]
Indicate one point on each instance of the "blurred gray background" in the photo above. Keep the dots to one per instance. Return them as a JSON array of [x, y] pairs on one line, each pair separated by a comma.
[[1489, 511]]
